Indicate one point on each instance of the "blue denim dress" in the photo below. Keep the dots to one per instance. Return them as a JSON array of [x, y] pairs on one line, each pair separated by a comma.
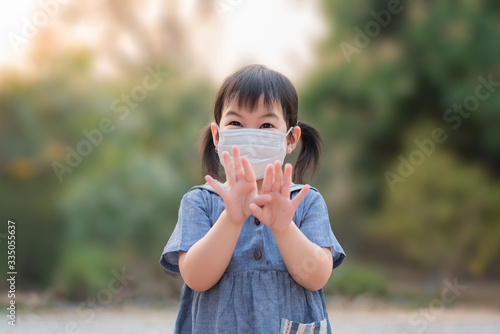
[[256, 294]]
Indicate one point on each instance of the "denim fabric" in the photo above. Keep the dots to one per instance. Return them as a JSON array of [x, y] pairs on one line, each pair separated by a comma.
[[255, 292]]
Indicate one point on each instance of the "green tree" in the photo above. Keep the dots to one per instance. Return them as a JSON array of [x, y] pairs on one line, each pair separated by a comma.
[[423, 58], [444, 215]]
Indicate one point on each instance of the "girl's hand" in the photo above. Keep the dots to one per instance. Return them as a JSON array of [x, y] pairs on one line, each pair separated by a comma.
[[242, 187], [278, 213]]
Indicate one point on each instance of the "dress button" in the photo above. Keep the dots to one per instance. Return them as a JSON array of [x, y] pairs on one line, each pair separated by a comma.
[[256, 221], [257, 255]]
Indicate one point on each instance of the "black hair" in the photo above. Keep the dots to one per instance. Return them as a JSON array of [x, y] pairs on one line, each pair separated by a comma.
[[246, 85]]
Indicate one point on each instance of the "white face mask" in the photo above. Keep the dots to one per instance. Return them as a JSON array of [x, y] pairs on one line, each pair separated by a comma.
[[260, 147]]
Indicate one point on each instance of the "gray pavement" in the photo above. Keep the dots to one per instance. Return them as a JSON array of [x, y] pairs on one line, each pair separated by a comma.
[[129, 320]]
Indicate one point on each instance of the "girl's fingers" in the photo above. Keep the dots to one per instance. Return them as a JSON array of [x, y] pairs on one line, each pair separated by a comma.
[[278, 177], [267, 184], [300, 196], [287, 181], [216, 185], [255, 210], [247, 168], [238, 169], [228, 168], [262, 200]]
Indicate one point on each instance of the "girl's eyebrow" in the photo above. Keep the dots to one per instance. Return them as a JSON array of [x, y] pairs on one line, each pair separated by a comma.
[[270, 114], [233, 113]]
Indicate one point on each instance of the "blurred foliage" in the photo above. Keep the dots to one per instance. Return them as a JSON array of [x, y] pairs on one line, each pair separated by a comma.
[[445, 215], [121, 200], [375, 103], [118, 207], [355, 279], [82, 272]]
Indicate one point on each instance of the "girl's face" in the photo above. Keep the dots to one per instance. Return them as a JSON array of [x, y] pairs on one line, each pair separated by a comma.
[[261, 117]]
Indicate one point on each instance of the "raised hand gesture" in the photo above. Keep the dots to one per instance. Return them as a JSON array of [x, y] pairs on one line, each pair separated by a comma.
[[242, 187], [277, 213]]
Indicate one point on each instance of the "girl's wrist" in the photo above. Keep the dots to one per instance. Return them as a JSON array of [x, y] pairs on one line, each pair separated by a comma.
[[228, 220], [283, 231]]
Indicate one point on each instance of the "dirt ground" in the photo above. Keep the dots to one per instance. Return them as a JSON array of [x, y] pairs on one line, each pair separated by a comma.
[[345, 319]]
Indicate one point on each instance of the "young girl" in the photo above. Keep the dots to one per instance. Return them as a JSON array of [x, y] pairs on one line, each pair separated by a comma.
[[255, 251]]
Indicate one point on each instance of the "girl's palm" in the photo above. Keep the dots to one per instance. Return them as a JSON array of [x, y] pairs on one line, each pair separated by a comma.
[[278, 213], [242, 187]]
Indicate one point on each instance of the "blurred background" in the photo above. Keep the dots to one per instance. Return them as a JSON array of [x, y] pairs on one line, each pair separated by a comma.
[[102, 104]]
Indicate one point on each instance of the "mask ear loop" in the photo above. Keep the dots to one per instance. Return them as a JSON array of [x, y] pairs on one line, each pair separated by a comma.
[[286, 135]]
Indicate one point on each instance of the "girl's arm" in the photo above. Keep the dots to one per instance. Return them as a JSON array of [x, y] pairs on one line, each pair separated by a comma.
[[309, 264], [205, 262]]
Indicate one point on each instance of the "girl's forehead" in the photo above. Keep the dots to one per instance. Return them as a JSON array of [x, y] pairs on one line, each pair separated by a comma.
[[235, 106]]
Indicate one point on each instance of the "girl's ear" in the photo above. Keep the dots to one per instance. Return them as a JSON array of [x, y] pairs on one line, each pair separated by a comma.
[[215, 134], [293, 139]]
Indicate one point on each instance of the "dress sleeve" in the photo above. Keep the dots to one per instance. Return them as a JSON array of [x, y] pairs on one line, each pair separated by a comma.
[[315, 224], [192, 225]]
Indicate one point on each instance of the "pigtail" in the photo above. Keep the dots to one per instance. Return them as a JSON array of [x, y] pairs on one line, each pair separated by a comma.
[[209, 157], [309, 152]]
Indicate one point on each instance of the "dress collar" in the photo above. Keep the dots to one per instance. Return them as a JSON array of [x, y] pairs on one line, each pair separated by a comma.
[[206, 186]]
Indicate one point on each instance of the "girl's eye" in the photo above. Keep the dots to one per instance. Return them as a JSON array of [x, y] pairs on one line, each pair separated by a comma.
[[266, 126], [235, 123]]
